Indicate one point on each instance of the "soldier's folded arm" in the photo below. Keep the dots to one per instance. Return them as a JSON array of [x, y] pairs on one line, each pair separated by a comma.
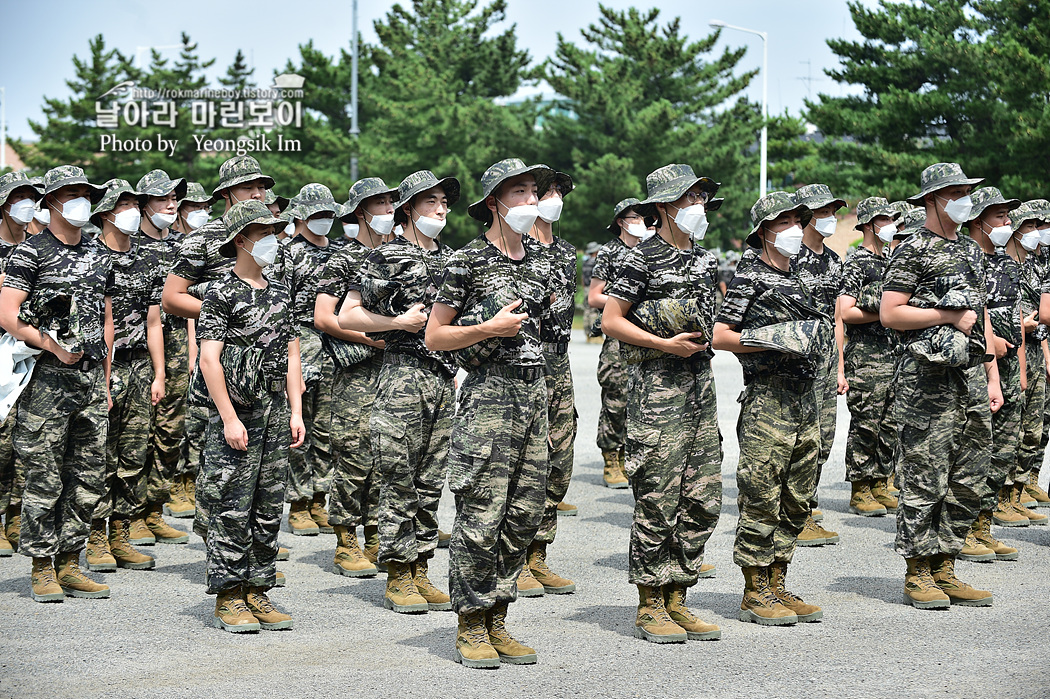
[[851, 314], [896, 314], [327, 321], [1044, 311], [354, 316], [177, 300], [726, 338], [442, 336], [11, 300], [616, 325], [596, 297]]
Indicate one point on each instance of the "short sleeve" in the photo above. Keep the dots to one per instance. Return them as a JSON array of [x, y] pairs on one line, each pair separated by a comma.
[[190, 258], [213, 323], [333, 279], [633, 280], [739, 296], [852, 277], [905, 270], [454, 288], [22, 268], [601, 266]]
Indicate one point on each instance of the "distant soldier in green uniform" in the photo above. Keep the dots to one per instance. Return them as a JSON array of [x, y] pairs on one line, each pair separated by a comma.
[[1035, 419], [590, 313]]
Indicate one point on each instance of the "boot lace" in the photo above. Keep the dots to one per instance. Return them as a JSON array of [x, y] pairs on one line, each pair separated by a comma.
[[925, 577], [475, 631], [262, 602]]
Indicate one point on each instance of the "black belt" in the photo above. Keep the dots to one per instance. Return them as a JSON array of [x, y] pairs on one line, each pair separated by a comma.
[[556, 347], [695, 363], [126, 355], [85, 364], [521, 373], [275, 385], [425, 363]]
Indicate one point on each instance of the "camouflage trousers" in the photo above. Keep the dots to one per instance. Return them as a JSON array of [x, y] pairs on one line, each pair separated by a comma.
[[612, 377], [310, 465], [410, 427], [497, 468], [197, 417], [561, 428], [60, 436], [129, 443], [779, 434], [828, 399], [944, 427], [244, 492], [1030, 451], [1006, 432], [871, 443], [355, 485], [590, 315], [169, 419], [674, 460], [12, 472]]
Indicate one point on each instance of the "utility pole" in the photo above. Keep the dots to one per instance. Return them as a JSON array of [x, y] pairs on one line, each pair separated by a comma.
[[354, 131], [3, 128]]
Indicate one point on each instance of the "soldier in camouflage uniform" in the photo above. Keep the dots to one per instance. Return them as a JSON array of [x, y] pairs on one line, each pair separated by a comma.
[[194, 210], [590, 313], [869, 360], [820, 270], [494, 292], [935, 292], [249, 363], [673, 449], [415, 395], [60, 276], [358, 360], [779, 424], [1035, 419], [18, 199], [305, 257], [628, 227]]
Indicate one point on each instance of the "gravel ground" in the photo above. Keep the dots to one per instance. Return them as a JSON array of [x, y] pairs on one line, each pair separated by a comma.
[[154, 638]]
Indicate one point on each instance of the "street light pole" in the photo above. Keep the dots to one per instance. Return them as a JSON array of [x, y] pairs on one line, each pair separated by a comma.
[[354, 131], [765, 91], [3, 128]]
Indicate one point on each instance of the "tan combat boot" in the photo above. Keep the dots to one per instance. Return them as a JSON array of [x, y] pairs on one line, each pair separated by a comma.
[[811, 535], [528, 585], [319, 514], [6, 549], [123, 551], [612, 473], [45, 584], [817, 515], [920, 589], [890, 488], [1042, 499], [830, 537], [401, 593], [444, 539], [552, 583], [280, 580], [943, 569], [653, 623], [231, 612], [437, 601], [73, 581], [778, 583], [1015, 499], [509, 650], [99, 559], [1004, 514], [567, 510], [863, 503], [300, 522], [759, 604], [13, 526], [268, 616], [706, 571], [982, 532], [190, 486], [695, 629], [349, 559], [974, 550], [371, 547], [881, 494], [178, 504], [283, 554], [473, 648], [164, 533], [138, 533]]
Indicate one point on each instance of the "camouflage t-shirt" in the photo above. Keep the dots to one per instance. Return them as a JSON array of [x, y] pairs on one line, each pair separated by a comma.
[[161, 255], [133, 289], [1004, 296], [821, 274], [928, 267], [6, 249], [339, 274], [304, 265], [393, 278], [862, 275], [59, 277], [198, 258], [1031, 288], [479, 271], [556, 322], [587, 268], [609, 260]]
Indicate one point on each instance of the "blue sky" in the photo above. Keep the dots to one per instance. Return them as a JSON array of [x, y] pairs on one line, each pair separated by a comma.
[[38, 60]]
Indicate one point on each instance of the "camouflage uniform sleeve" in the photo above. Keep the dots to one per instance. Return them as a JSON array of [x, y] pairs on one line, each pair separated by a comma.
[[332, 281], [370, 266], [22, 268], [739, 296], [601, 265], [852, 277], [456, 285], [633, 280], [190, 258], [214, 319], [905, 270]]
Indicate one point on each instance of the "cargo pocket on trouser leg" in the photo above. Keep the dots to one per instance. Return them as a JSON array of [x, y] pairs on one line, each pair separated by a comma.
[[643, 441]]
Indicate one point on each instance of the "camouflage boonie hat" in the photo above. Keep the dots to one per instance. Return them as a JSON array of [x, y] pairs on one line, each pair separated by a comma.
[[421, 181], [67, 175], [768, 208], [871, 207], [156, 183], [989, 196], [282, 202], [618, 210], [238, 170], [548, 178], [313, 198], [195, 194], [817, 196], [497, 174], [911, 222], [592, 247], [363, 189], [941, 175], [240, 216], [669, 183], [1042, 208], [12, 181], [38, 183], [1032, 210], [115, 188]]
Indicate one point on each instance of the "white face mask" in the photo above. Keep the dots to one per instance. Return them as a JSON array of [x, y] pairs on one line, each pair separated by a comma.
[[264, 251], [429, 226], [320, 226], [789, 241], [692, 220], [76, 212], [196, 219], [649, 233], [1030, 240], [382, 224], [350, 230], [22, 211], [43, 216], [550, 209], [162, 221], [1000, 235], [825, 226], [886, 232], [638, 230], [127, 221], [1044, 236], [289, 230], [959, 209], [521, 218]]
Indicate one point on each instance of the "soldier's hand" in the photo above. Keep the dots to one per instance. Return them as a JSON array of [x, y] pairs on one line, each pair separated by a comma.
[[995, 396], [156, 390], [413, 320], [685, 345], [1031, 322], [507, 323], [109, 399], [843, 387], [965, 321], [378, 344], [298, 431], [1001, 346], [64, 356], [236, 435]]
